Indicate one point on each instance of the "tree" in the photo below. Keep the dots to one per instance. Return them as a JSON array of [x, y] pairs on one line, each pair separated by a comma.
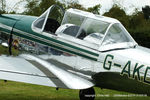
[[118, 13], [76, 6], [36, 7], [13, 9], [45, 4], [32, 7], [2, 6], [95, 9], [146, 11], [139, 28], [137, 20]]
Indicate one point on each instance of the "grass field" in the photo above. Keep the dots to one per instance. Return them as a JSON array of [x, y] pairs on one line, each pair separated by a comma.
[[4, 50], [22, 91]]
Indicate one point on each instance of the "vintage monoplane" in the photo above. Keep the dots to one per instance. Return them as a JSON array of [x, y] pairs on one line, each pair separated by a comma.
[[73, 49]]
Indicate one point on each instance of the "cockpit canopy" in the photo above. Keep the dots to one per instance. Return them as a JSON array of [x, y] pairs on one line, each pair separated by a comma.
[[106, 33]]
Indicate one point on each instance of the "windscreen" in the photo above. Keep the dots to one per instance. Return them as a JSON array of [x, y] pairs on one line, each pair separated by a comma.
[[72, 18], [95, 30], [95, 26], [40, 21], [50, 20], [116, 34]]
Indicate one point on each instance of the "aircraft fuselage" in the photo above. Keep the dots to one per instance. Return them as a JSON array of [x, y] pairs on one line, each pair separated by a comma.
[[120, 69]]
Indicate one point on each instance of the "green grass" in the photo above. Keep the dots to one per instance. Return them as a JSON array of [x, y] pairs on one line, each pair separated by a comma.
[[22, 91], [4, 50]]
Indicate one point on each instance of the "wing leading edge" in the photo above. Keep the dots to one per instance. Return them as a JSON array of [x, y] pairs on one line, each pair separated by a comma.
[[34, 70]]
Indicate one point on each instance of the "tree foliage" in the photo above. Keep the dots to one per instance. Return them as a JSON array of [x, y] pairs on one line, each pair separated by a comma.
[[146, 11], [32, 7], [137, 24], [95, 9], [36, 7], [2, 6], [76, 6], [140, 29], [118, 13]]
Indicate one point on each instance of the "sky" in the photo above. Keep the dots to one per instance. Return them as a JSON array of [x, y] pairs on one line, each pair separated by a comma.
[[128, 5], [12, 5]]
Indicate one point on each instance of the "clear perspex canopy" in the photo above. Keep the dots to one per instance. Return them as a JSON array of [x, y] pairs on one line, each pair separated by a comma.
[[108, 33], [103, 32]]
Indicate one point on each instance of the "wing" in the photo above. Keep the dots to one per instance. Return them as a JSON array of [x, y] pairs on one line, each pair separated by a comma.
[[31, 69]]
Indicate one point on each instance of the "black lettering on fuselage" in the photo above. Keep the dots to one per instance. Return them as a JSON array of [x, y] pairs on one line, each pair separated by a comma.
[[126, 69], [137, 70], [108, 61], [145, 76]]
